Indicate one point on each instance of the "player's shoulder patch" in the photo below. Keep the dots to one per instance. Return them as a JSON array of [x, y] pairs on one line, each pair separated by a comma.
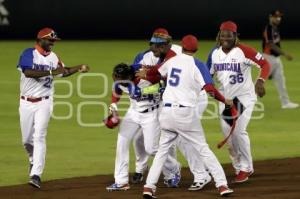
[[251, 53]]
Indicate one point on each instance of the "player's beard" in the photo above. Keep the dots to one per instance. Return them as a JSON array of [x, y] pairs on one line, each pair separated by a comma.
[[227, 45]]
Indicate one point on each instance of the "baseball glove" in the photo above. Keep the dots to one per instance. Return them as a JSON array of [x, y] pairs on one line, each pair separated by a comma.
[[112, 120], [229, 115]]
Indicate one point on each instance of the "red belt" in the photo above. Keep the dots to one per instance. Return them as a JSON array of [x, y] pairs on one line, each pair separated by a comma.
[[33, 100]]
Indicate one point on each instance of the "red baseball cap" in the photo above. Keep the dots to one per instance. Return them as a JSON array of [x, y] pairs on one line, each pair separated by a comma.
[[229, 25], [190, 43], [160, 35], [47, 33]]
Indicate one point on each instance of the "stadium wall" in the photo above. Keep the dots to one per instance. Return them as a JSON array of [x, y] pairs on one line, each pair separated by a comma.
[[136, 19]]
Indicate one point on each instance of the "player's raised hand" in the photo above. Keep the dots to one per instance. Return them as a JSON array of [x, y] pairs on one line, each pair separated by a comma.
[[84, 68], [259, 88]]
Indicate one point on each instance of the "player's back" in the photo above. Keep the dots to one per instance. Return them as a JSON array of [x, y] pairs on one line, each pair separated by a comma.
[[185, 79]]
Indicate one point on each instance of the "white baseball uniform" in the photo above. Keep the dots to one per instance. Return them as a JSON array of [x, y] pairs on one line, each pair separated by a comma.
[[142, 114], [36, 105], [196, 165], [233, 71], [186, 77]]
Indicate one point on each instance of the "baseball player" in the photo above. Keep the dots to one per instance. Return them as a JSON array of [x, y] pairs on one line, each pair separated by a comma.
[[232, 62], [272, 52], [38, 66], [186, 77], [162, 39], [170, 179], [148, 59], [142, 114]]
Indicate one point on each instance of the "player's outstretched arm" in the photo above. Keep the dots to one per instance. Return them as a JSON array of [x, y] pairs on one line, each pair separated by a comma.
[[31, 73], [280, 51], [83, 68], [212, 91]]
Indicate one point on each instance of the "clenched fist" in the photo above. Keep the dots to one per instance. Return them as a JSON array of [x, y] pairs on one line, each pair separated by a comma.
[[84, 68]]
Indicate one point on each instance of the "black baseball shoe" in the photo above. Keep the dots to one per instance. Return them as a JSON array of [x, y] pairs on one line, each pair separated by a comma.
[[137, 178], [35, 181]]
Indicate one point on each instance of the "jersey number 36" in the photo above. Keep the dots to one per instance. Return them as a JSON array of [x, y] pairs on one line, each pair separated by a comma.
[[236, 78]]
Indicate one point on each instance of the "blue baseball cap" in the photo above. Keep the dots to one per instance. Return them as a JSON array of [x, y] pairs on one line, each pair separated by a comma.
[[160, 35]]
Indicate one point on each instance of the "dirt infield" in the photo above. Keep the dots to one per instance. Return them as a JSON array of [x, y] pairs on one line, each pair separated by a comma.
[[275, 179]]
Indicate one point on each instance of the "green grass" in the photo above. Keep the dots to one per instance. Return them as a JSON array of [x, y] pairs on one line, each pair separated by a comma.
[[73, 150]]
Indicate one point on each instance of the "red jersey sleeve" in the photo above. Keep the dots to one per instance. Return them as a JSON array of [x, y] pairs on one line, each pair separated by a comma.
[[213, 92], [257, 58], [153, 71]]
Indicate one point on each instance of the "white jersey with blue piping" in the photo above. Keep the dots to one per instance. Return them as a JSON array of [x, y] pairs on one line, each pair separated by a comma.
[[233, 70], [137, 101], [186, 77], [37, 87]]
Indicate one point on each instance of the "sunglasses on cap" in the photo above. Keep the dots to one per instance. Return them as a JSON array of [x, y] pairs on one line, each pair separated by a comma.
[[51, 36]]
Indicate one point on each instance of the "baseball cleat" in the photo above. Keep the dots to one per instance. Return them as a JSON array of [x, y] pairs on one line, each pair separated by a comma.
[[199, 185], [148, 193], [137, 178], [224, 191], [243, 176], [118, 187], [174, 182], [35, 181], [290, 105]]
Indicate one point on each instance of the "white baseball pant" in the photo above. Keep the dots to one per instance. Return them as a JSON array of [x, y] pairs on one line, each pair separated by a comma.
[[131, 123], [239, 142], [278, 77], [34, 118], [183, 121]]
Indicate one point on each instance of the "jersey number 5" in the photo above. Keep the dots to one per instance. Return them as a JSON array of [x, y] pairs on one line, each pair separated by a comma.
[[174, 77], [236, 78]]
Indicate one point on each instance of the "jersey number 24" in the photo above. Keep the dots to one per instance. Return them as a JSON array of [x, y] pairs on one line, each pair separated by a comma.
[[48, 82]]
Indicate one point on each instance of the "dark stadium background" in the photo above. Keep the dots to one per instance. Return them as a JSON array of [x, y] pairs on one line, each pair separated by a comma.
[[136, 19]]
